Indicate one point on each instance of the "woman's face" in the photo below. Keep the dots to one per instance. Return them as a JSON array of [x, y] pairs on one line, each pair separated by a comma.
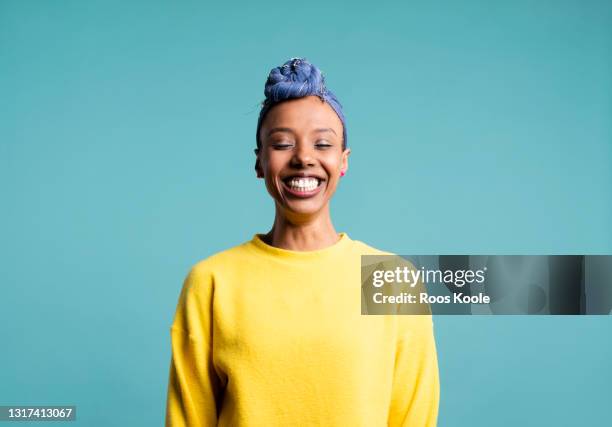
[[301, 155]]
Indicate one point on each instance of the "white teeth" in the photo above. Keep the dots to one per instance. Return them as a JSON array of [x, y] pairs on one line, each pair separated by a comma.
[[303, 184]]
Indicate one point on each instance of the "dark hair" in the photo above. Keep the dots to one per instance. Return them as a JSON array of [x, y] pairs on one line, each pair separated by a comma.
[[297, 78]]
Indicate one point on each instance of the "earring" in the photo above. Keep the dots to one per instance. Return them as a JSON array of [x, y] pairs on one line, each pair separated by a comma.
[[342, 173]]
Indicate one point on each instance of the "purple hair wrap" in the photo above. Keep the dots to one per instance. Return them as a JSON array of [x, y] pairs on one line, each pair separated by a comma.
[[297, 78]]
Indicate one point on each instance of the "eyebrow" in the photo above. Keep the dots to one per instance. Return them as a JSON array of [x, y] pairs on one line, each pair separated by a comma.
[[289, 130], [273, 130], [325, 130]]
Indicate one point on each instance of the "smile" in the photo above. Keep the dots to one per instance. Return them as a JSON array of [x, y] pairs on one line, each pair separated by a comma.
[[303, 186]]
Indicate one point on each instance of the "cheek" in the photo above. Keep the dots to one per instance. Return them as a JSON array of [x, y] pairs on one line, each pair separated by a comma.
[[332, 165], [272, 166]]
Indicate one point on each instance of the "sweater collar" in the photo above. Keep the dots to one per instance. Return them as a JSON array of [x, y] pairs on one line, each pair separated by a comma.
[[287, 254]]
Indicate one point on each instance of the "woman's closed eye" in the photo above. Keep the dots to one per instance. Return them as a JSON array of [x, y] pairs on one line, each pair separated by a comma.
[[323, 144], [282, 145]]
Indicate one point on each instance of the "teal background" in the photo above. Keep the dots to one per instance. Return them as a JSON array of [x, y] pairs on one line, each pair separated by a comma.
[[126, 137]]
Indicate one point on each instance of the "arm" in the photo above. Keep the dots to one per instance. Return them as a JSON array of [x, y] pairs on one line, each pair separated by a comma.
[[194, 389], [416, 388]]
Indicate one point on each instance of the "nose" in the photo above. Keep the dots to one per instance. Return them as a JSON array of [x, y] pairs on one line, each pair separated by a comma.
[[302, 156]]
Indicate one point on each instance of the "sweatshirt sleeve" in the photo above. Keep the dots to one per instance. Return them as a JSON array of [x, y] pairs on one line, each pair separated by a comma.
[[195, 391], [416, 388]]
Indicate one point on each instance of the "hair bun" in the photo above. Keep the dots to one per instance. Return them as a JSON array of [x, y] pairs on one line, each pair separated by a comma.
[[294, 79]]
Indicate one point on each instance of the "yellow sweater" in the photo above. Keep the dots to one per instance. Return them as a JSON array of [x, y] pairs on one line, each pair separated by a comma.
[[264, 336]]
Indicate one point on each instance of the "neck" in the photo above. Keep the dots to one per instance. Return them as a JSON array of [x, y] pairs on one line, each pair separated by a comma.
[[300, 233]]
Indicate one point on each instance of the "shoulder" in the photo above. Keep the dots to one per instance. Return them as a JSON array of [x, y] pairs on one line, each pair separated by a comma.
[[204, 270], [222, 258], [365, 249], [408, 324], [382, 255], [197, 293]]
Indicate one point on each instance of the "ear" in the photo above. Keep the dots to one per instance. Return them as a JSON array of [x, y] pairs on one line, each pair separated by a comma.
[[345, 155], [258, 169]]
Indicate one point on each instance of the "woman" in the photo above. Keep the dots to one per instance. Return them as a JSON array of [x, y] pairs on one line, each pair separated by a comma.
[[269, 333]]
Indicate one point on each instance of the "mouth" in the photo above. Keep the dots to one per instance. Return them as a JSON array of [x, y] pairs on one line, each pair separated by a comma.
[[303, 186]]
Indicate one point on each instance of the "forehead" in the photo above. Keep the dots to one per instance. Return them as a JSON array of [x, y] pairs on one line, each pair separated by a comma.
[[303, 114]]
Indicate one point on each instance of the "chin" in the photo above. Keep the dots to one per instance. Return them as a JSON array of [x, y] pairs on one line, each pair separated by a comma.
[[303, 208]]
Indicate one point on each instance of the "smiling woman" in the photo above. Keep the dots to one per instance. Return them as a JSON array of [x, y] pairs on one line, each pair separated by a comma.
[[270, 332]]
